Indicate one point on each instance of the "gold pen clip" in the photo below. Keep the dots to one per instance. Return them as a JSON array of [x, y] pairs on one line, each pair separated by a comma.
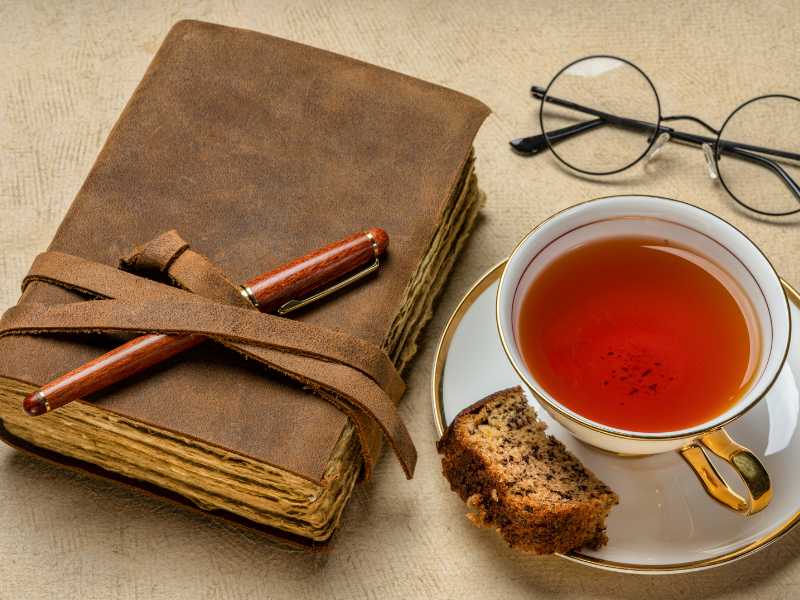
[[293, 305]]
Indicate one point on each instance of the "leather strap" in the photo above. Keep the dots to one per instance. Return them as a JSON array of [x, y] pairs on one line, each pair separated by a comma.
[[157, 254], [101, 281], [169, 253], [352, 374]]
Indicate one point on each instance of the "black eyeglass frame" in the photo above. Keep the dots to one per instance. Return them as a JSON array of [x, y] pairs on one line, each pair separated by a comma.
[[787, 179], [546, 140], [604, 119]]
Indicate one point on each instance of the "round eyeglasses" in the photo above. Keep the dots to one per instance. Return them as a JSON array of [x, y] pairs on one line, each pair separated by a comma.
[[601, 115]]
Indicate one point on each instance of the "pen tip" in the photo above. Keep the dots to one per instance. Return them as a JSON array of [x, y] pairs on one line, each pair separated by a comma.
[[35, 404], [380, 237]]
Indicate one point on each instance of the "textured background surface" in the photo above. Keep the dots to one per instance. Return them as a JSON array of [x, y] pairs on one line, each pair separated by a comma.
[[68, 69]]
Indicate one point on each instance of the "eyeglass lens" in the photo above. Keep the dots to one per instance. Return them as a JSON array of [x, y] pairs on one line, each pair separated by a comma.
[[760, 180], [612, 87]]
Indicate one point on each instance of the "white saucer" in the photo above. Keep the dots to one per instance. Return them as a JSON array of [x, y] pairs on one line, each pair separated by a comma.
[[665, 522]]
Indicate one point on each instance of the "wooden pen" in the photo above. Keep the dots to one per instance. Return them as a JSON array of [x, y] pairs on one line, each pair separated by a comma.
[[282, 290]]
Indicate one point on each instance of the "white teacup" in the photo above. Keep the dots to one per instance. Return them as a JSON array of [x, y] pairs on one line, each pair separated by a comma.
[[709, 236]]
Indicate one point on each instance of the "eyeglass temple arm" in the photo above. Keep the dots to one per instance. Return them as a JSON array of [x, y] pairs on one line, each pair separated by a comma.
[[538, 92], [739, 150], [768, 164], [536, 143], [725, 146]]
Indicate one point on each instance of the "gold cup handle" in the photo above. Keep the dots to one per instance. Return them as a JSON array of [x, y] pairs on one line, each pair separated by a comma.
[[743, 461]]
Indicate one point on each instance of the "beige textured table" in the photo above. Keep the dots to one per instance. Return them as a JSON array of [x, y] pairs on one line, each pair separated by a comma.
[[67, 69]]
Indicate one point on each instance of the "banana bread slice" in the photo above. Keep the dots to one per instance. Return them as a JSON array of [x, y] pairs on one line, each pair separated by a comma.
[[523, 482]]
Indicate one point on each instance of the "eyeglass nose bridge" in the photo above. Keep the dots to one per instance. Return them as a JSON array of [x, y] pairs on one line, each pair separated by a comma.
[[708, 153]]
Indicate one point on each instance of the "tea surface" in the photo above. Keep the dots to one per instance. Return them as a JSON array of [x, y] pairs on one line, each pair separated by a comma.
[[638, 334]]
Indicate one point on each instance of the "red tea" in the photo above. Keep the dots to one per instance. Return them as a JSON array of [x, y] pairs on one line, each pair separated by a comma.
[[638, 334]]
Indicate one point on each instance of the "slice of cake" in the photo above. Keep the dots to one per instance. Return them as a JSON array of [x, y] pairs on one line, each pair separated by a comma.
[[523, 482]]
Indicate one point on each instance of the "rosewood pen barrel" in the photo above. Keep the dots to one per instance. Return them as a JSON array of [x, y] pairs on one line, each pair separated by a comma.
[[117, 365], [315, 270], [269, 291]]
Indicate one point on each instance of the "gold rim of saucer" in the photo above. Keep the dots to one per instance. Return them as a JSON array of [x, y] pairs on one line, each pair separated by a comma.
[[440, 359]]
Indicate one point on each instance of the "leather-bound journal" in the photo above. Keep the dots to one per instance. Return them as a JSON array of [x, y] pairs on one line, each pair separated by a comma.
[[255, 150]]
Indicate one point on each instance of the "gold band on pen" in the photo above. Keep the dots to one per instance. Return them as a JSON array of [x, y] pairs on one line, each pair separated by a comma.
[[372, 239], [42, 398], [248, 295]]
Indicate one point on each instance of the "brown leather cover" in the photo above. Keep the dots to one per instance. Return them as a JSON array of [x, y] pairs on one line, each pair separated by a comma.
[[257, 150]]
